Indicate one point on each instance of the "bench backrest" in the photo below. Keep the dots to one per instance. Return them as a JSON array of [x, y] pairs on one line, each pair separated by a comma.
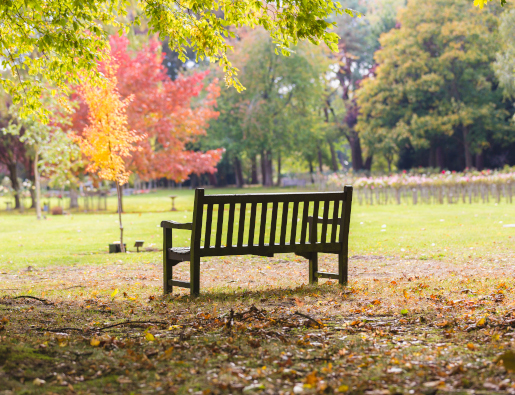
[[283, 224]]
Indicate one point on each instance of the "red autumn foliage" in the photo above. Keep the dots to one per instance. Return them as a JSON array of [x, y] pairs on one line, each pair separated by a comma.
[[163, 110]]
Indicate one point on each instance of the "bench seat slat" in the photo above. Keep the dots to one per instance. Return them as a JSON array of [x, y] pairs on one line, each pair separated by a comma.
[[334, 276], [177, 283], [267, 249]]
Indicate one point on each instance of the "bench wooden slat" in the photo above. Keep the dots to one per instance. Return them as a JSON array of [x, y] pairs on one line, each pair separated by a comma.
[[219, 225], [252, 225], [305, 214], [273, 225], [177, 283], [230, 224], [262, 226], [333, 276], [323, 235], [294, 217], [267, 249], [241, 225], [284, 223], [314, 225], [209, 220], [274, 197], [334, 225]]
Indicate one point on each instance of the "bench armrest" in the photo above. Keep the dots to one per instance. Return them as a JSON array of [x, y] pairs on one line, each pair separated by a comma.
[[176, 225]]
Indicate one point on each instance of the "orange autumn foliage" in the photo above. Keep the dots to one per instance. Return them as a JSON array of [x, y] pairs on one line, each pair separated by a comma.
[[107, 141], [172, 114]]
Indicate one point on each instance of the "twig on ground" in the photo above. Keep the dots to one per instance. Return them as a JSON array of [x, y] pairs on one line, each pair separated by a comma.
[[59, 329], [131, 322], [32, 297], [309, 318]]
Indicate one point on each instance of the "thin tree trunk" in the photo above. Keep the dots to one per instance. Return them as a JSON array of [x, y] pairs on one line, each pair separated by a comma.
[[238, 173], [119, 193], [480, 161], [466, 146], [74, 197], [356, 152], [334, 160], [269, 170], [37, 183], [254, 174], [440, 160], [263, 168], [311, 171], [13, 175], [368, 163], [279, 169], [320, 164]]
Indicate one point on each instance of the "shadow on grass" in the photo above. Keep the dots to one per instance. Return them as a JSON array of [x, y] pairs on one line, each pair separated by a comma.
[[223, 294]]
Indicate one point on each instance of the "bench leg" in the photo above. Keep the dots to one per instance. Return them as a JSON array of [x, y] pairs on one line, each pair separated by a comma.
[[194, 276], [313, 268], [167, 263], [343, 269]]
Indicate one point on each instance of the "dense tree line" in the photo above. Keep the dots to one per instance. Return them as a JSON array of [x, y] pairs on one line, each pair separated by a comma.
[[413, 84]]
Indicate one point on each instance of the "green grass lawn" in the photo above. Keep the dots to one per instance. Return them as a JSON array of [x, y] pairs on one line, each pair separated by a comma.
[[454, 232]]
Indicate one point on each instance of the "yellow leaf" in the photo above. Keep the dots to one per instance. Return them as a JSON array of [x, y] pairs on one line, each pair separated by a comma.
[[114, 293], [94, 342], [343, 388], [150, 337], [471, 346], [481, 322]]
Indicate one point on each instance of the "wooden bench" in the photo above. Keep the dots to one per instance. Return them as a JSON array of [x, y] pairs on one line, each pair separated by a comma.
[[330, 235]]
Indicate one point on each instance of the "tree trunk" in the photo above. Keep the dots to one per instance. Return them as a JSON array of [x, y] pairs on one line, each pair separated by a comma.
[[334, 160], [368, 163], [263, 169], [432, 156], [238, 173], [74, 197], [119, 193], [440, 159], [278, 169], [320, 164], [254, 174], [480, 162], [311, 171], [13, 175], [466, 146], [213, 179], [269, 168], [37, 183], [356, 152]]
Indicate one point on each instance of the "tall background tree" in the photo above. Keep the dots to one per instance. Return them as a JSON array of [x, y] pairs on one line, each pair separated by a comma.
[[435, 91]]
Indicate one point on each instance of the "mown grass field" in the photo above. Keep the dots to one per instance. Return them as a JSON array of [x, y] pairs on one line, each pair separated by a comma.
[[429, 308]]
